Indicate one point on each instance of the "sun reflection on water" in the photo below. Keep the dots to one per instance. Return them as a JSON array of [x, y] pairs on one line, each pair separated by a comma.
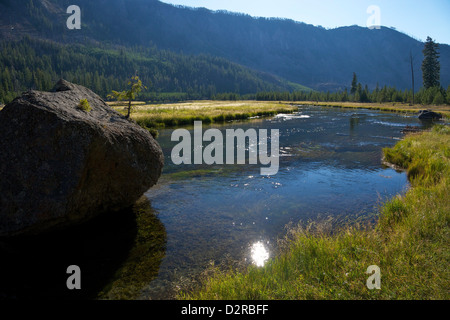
[[259, 254]]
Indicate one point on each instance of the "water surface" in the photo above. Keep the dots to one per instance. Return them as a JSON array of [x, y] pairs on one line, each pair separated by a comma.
[[330, 165]]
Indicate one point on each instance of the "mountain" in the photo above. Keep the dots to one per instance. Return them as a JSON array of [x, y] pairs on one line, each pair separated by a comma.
[[38, 63], [313, 56], [35, 51]]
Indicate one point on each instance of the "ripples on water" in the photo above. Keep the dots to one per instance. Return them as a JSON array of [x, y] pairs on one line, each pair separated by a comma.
[[330, 164]]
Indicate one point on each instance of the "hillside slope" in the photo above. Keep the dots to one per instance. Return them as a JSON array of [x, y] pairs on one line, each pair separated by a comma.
[[313, 56], [37, 64]]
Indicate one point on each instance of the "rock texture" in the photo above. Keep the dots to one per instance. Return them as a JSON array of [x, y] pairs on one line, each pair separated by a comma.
[[60, 165]]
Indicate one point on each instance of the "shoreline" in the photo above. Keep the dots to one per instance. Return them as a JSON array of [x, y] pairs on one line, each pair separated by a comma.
[[218, 111], [388, 107], [158, 116], [207, 111], [409, 243]]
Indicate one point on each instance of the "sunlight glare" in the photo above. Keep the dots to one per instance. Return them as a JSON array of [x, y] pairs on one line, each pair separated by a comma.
[[259, 254]]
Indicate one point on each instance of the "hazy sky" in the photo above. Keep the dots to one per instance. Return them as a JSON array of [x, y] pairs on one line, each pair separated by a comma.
[[418, 18]]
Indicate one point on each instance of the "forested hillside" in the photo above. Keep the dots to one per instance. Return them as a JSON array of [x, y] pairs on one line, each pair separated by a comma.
[[184, 53], [38, 64], [313, 56]]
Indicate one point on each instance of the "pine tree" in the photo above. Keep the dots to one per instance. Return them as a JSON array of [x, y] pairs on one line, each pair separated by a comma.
[[344, 95], [430, 65], [135, 86], [448, 94], [354, 84]]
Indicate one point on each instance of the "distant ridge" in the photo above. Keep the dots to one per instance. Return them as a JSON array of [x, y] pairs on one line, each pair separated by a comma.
[[313, 56]]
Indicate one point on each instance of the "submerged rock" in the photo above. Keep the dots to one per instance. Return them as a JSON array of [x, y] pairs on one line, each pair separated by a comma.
[[61, 164]]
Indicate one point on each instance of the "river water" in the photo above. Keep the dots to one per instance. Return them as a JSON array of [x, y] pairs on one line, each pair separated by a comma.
[[330, 165]]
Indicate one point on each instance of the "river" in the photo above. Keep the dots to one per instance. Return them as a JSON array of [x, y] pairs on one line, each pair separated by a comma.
[[330, 166]]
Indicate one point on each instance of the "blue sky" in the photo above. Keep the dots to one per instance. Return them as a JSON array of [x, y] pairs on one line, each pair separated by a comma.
[[418, 18]]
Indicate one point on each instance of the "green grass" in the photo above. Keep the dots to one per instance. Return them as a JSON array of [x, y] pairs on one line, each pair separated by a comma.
[[410, 244], [84, 105]]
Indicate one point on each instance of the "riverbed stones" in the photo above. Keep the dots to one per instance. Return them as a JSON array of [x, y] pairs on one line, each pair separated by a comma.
[[62, 164]]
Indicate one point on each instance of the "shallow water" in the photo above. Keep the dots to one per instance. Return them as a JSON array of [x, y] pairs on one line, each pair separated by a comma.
[[330, 165]]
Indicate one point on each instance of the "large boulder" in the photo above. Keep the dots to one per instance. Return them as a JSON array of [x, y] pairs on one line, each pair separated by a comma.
[[61, 165]]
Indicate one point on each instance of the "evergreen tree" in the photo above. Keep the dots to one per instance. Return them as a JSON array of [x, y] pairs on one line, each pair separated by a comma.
[[448, 94], [430, 65], [135, 86], [439, 98], [364, 96], [354, 84]]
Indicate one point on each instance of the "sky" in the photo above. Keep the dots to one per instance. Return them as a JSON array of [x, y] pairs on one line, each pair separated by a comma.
[[417, 18]]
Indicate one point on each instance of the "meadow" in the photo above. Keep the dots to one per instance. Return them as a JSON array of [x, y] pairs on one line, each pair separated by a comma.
[[180, 114]]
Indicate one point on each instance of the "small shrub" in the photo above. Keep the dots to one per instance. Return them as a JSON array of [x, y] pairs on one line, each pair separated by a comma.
[[84, 105]]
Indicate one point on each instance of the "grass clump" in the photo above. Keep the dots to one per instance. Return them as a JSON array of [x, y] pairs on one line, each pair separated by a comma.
[[410, 243], [425, 157], [84, 105]]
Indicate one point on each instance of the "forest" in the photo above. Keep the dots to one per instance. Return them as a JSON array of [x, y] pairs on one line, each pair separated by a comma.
[[171, 77], [430, 96], [37, 64]]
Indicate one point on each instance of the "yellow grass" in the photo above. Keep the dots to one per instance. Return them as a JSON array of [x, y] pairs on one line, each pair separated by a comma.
[[210, 111], [203, 106]]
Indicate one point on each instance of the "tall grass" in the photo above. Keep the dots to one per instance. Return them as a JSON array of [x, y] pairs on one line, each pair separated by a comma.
[[183, 114], [410, 244]]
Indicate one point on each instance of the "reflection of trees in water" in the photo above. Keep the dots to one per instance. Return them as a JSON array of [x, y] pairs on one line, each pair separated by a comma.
[[118, 253], [354, 122]]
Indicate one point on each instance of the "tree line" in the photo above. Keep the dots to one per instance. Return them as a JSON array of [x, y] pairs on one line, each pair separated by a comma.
[[170, 77], [38, 64], [385, 94], [432, 93]]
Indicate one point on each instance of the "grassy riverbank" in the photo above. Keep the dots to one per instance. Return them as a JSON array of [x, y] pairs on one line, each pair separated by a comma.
[[179, 114], [410, 243], [391, 106]]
